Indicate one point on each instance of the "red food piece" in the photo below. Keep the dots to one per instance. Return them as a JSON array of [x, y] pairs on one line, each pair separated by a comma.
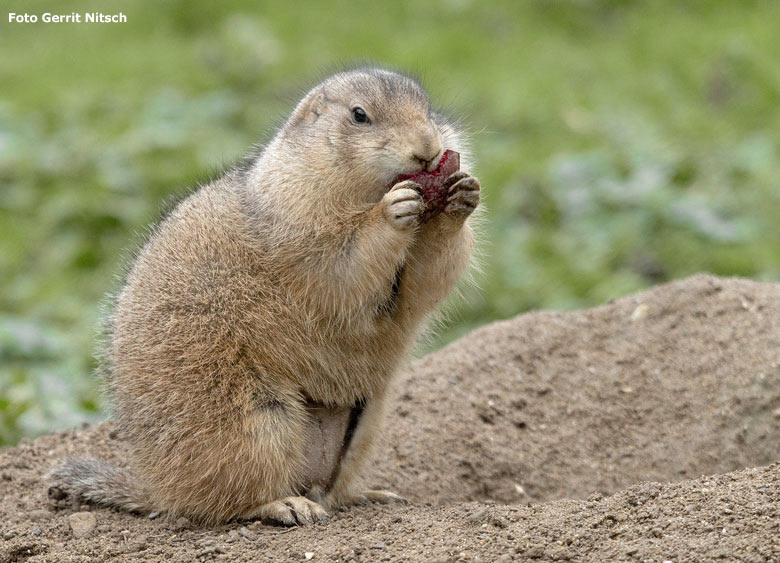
[[434, 192]]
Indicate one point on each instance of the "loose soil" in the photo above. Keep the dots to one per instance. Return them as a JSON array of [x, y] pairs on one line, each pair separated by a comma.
[[616, 433]]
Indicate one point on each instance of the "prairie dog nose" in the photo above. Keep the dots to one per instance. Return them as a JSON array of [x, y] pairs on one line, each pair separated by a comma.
[[426, 154]]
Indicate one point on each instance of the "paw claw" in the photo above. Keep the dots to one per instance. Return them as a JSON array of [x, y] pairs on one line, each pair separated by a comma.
[[467, 183], [455, 178], [408, 185]]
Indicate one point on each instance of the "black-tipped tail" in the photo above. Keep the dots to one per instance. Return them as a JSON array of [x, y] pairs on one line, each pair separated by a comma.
[[98, 482]]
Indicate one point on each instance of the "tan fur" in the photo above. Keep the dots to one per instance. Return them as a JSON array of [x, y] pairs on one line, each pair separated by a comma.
[[272, 286]]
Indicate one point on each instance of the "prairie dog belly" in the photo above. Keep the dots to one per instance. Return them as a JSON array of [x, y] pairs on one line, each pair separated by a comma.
[[329, 433]]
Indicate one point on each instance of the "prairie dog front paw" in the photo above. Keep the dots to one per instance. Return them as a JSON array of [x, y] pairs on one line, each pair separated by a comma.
[[463, 195], [403, 205]]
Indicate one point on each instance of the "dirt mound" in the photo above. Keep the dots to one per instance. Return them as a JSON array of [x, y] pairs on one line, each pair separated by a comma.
[[679, 381], [488, 433]]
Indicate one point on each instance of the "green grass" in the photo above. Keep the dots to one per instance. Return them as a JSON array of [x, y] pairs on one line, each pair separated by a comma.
[[620, 144]]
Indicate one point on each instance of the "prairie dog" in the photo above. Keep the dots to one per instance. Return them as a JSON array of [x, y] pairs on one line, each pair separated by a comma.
[[252, 344]]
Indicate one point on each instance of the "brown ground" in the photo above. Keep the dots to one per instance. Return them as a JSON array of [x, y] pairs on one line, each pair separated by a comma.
[[635, 399]]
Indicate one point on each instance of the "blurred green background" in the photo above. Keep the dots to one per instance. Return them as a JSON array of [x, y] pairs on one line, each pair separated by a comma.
[[620, 144]]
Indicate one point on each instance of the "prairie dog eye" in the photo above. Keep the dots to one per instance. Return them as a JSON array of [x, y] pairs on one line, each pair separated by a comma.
[[360, 116]]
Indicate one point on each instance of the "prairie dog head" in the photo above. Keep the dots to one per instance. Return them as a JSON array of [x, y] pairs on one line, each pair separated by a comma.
[[356, 131]]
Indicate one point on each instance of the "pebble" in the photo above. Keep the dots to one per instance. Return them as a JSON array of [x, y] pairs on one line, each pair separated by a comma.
[[640, 312], [478, 514], [40, 515], [308, 554], [181, 524], [153, 515], [82, 524], [559, 553], [137, 544], [244, 532], [211, 549]]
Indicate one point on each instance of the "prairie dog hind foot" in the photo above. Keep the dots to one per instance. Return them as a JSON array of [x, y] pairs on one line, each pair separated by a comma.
[[291, 511], [377, 496]]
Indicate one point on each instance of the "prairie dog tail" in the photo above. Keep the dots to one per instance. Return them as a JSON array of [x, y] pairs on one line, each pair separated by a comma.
[[99, 482]]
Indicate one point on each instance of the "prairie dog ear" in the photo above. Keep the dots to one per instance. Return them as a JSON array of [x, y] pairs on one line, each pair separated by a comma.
[[309, 109]]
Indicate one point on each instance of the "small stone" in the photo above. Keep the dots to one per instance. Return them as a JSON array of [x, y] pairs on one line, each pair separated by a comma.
[[245, 532], [535, 552], [40, 515], [378, 545], [181, 524], [640, 312], [308, 554], [36, 531], [560, 553], [153, 515], [255, 526], [136, 544], [84, 508], [82, 524], [478, 514]]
